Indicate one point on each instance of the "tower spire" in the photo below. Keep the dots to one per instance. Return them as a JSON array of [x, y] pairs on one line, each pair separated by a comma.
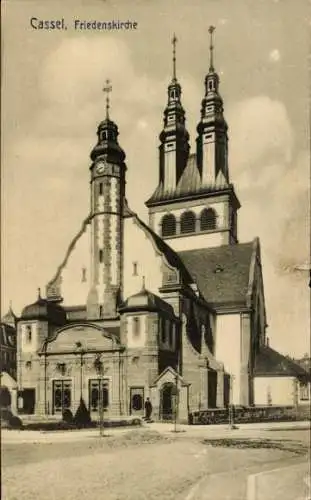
[[211, 30], [107, 89], [174, 42]]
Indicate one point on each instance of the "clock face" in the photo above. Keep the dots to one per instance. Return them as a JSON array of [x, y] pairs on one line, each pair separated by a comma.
[[100, 167]]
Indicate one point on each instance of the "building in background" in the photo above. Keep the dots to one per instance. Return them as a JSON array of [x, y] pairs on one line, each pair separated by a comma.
[[8, 343]]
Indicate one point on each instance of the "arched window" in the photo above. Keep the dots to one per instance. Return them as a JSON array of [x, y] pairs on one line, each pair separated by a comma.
[[28, 333], [136, 327], [187, 222], [168, 225], [208, 219]]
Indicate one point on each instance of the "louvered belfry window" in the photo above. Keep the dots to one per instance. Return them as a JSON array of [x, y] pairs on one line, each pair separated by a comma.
[[168, 225], [187, 222], [208, 219]]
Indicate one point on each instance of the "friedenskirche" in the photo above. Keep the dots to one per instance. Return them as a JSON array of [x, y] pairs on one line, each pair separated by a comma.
[[105, 25]]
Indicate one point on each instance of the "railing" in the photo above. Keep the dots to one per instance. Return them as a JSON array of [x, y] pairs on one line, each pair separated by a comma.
[[250, 414]]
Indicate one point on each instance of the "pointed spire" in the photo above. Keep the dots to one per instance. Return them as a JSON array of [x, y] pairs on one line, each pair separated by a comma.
[[107, 89], [211, 30], [39, 294], [143, 284], [174, 42]]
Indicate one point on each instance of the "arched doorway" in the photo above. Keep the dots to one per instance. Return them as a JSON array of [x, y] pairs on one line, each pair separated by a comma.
[[168, 403]]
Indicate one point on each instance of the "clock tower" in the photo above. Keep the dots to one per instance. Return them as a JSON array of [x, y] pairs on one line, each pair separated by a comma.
[[107, 201]]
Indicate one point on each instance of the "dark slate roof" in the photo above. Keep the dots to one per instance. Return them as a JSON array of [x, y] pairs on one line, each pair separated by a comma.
[[190, 180], [221, 273], [190, 184], [270, 362], [305, 363], [146, 301], [46, 310]]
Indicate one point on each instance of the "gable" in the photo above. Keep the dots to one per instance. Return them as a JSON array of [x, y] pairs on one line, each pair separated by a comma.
[[81, 336], [169, 376]]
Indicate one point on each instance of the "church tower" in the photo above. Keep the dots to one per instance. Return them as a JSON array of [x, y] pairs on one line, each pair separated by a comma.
[[212, 140], [174, 146], [107, 200], [194, 205]]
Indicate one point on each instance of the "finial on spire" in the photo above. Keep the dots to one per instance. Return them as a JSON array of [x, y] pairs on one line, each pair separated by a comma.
[[143, 287], [107, 89], [211, 30], [174, 41]]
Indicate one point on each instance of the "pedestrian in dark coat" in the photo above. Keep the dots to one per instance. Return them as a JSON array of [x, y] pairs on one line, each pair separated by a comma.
[[148, 409]]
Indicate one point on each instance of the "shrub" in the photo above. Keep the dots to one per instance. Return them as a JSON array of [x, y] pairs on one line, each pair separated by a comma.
[[5, 397], [68, 416], [82, 417]]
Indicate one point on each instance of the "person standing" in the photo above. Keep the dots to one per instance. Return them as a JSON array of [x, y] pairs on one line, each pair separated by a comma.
[[148, 409]]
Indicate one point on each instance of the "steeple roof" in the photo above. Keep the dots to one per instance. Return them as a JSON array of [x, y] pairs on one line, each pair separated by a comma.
[[107, 146], [45, 310], [146, 301], [190, 185], [9, 318]]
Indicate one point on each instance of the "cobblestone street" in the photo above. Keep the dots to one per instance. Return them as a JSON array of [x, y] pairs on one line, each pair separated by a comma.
[[137, 465]]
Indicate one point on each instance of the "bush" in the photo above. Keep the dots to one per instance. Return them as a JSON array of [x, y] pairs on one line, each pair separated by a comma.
[[82, 417], [5, 397], [10, 421], [67, 416]]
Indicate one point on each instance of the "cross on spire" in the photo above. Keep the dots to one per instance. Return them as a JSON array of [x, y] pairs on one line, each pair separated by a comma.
[[107, 89], [174, 41], [211, 30]]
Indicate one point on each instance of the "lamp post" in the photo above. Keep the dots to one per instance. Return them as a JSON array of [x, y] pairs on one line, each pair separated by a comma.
[[176, 403], [100, 370], [231, 413], [81, 351]]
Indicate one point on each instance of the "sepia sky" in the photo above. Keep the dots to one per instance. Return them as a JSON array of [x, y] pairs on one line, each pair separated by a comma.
[[52, 101]]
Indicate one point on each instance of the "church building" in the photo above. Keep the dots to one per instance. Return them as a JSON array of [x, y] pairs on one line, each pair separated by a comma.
[[137, 310]]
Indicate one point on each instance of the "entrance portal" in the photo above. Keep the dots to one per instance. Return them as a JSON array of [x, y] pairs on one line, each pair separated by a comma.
[[168, 401], [29, 401], [212, 389]]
